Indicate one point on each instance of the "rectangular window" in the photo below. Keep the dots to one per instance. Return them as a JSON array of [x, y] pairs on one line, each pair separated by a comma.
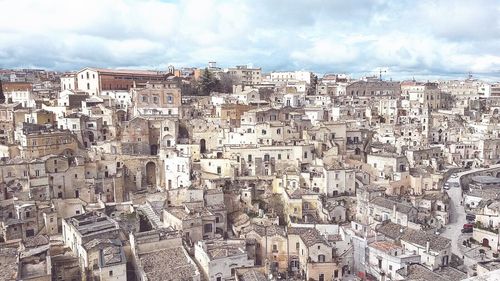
[[207, 228]]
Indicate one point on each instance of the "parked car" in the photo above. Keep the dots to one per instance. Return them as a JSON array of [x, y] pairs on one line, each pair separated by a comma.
[[446, 186], [467, 230], [468, 225], [470, 217], [454, 176]]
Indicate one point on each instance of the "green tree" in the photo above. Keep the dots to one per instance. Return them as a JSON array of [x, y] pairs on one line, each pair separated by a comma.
[[208, 82], [313, 85], [226, 83], [2, 97]]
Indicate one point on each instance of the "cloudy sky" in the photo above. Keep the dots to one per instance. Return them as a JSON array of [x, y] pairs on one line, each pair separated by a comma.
[[407, 38]]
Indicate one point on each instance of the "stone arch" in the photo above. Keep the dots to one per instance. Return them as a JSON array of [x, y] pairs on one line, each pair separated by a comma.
[[121, 115], [401, 190], [68, 152], [486, 242], [151, 173], [203, 146]]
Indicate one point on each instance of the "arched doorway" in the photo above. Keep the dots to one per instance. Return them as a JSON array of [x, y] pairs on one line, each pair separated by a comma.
[[121, 115], [91, 137], [486, 242], [203, 146], [151, 174]]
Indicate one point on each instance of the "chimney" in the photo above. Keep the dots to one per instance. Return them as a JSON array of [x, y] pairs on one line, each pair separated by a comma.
[[428, 246]]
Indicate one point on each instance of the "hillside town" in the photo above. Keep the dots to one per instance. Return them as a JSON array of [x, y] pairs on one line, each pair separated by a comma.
[[237, 173]]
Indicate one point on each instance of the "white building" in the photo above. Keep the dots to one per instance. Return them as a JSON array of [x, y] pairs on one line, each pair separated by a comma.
[[434, 250], [292, 76], [177, 170], [385, 258], [88, 81], [123, 99], [22, 96], [246, 75], [219, 259], [68, 82]]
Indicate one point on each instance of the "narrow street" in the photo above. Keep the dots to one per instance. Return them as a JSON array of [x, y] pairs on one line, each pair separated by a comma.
[[453, 230], [457, 215]]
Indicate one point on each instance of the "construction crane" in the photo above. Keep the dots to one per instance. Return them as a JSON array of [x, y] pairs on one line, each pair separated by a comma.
[[380, 71]]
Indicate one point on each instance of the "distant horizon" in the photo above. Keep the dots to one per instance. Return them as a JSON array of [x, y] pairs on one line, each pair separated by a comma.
[[385, 76]]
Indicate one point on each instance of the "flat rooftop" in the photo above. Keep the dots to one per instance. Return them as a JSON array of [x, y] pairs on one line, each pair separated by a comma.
[[92, 223]]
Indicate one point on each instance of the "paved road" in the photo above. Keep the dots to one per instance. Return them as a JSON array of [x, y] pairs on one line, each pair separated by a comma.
[[457, 214]]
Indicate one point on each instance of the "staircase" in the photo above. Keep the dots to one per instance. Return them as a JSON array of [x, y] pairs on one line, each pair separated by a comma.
[[153, 218]]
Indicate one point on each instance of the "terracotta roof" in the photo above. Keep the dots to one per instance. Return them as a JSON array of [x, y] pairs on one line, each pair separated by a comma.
[[124, 71], [384, 246], [312, 236]]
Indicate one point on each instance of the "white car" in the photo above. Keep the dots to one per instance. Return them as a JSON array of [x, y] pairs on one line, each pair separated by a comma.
[[454, 176], [446, 186]]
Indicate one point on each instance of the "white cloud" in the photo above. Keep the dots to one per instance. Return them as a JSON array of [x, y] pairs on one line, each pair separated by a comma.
[[423, 37]]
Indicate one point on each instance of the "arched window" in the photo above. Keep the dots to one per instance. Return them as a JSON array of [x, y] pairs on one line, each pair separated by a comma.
[[321, 258]]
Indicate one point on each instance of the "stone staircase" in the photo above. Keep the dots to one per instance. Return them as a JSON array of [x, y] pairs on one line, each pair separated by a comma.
[[148, 211]]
